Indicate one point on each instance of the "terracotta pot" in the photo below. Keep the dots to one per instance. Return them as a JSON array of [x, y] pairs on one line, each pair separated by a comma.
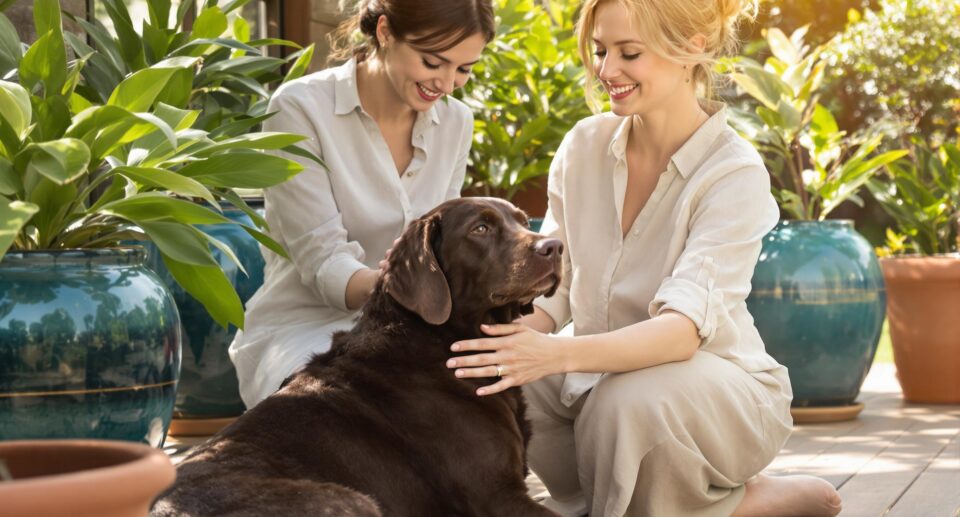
[[81, 478], [924, 313]]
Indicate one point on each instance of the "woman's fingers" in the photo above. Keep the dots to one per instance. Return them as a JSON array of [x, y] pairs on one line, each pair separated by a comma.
[[501, 385], [472, 360], [483, 371], [501, 330]]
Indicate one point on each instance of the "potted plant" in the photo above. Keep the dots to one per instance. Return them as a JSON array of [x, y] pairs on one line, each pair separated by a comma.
[[921, 266], [527, 95], [50, 478], [230, 91], [90, 336], [818, 296]]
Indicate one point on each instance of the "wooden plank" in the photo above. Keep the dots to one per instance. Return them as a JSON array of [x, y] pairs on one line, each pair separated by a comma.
[[937, 491], [846, 454], [878, 484]]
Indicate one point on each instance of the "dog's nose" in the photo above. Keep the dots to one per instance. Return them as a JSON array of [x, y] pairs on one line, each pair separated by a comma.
[[548, 247]]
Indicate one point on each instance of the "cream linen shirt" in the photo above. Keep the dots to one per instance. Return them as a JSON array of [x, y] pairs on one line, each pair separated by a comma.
[[334, 223], [692, 248]]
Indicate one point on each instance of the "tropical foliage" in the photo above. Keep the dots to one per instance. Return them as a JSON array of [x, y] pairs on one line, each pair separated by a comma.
[[527, 93], [815, 166], [122, 140], [922, 194]]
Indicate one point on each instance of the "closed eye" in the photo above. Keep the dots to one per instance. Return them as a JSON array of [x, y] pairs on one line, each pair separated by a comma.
[[436, 66]]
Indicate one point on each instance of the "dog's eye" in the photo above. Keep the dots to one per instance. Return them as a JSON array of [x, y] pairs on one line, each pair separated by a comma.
[[480, 228]]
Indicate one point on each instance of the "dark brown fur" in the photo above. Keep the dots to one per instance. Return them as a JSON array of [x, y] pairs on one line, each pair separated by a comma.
[[379, 425]]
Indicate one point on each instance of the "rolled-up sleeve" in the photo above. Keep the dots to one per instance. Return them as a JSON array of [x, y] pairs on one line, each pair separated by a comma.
[[558, 305], [713, 274], [304, 215]]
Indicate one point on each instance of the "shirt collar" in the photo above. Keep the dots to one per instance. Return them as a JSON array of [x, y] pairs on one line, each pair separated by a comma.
[[347, 96], [693, 151]]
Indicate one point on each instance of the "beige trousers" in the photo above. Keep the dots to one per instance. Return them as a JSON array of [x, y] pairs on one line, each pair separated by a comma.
[[679, 439]]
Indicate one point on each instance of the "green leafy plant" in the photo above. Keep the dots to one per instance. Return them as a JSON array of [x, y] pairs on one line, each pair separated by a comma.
[[114, 145], [814, 165], [922, 194], [527, 93]]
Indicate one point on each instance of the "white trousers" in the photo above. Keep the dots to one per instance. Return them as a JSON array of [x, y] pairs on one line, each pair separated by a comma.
[[679, 439]]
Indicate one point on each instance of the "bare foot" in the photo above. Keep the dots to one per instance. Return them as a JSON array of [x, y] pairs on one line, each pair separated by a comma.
[[788, 496]]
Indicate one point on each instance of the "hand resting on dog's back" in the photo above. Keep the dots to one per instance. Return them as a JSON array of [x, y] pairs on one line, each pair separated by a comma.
[[378, 425]]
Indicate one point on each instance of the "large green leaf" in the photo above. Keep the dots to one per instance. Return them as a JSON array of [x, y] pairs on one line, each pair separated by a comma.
[[153, 207], [138, 91], [159, 13], [265, 140], [131, 46], [210, 23], [243, 65], [15, 107], [10, 50], [162, 178], [242, 170], [178, 241], [54, 202], [222, 42], [156, 42], [106, 127], [46, 62], [301, 65], [210, 287], [61, 161], [13, 216], [46, 16], [10, 183]]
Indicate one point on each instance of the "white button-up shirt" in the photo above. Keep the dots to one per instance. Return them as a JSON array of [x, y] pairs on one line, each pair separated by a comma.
[[691, 249], [333, 223]]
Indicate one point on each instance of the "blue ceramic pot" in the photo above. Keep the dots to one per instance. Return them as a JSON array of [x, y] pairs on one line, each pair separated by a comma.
[[819, 301], [89, 346], [208, 380], [536, 223]]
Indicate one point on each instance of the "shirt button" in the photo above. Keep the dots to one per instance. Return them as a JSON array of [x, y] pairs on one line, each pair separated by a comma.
[[568, 397], [636, 232], [409, 174]]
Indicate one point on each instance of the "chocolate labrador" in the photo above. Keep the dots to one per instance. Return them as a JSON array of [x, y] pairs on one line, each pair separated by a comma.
[[379, 425]]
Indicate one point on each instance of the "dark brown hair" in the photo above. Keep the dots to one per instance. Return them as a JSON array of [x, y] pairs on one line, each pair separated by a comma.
[[432, 25]]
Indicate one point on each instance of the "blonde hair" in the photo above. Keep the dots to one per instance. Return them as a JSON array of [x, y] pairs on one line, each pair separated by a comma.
[[666, 28]]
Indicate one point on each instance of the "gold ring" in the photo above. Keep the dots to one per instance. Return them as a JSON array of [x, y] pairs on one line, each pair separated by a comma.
[[499, 370]]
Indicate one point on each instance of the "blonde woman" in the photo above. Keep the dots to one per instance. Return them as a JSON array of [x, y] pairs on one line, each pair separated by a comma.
[[662, 401], [395, 145]]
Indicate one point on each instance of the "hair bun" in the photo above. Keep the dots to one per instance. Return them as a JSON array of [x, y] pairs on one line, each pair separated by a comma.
[[733, 10], [370, 12]]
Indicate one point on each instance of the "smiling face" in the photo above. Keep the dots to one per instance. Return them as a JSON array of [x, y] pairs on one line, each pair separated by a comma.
[[421, 77], [637, 79]]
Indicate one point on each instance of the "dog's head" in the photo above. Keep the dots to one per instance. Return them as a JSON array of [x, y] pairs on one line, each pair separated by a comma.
[[474, 259]]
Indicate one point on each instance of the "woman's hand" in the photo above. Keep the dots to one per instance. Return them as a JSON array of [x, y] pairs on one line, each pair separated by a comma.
[[385, 261], [522, 354]]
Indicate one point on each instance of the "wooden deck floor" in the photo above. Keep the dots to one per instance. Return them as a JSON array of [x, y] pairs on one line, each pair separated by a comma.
[[895, 459]]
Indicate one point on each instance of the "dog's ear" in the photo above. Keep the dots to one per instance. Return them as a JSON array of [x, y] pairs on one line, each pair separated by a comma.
[[414, 278]]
